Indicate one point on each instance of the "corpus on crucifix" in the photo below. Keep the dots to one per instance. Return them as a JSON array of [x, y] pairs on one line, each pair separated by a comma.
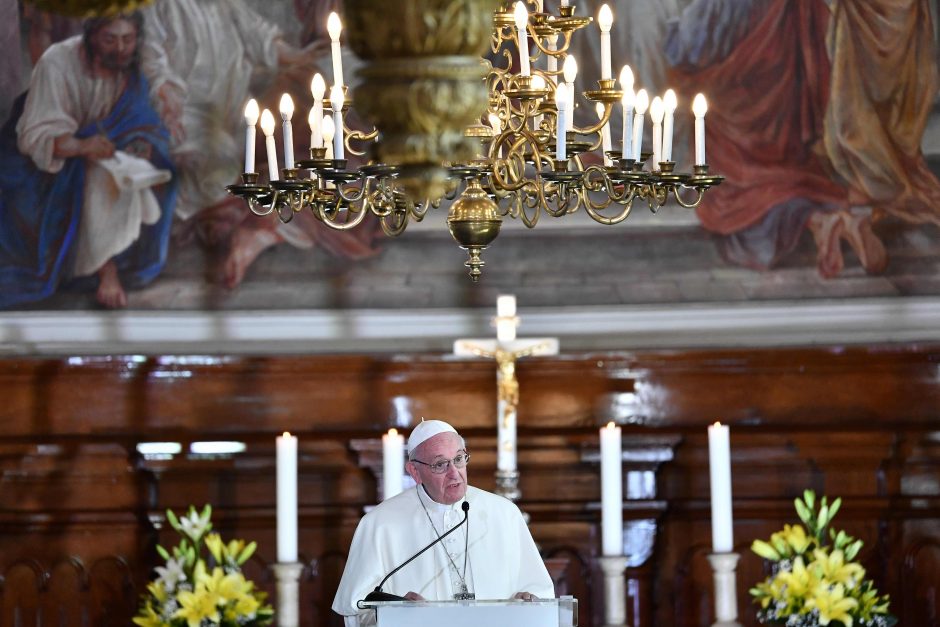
[[505, 350]]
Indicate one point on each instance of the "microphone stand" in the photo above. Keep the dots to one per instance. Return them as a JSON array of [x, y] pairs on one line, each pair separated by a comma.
[[379, 595]]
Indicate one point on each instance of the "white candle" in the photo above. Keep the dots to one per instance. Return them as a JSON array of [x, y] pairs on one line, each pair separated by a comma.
[[570, 70], [561, 102], [334, 27], [251, 119], [719, 467], [505, 318], [317, 90], [286, 498], [642, 102], [328, 131], [564, 3], [497, 127], [313, 121], [657, 109], [670, 102], [336, 102], [552, 59], [267, 127], [287, 112], [611, 491], [605, 19], [627, 101], [521, 16], [393, 463], [699, 108], [605, 133]]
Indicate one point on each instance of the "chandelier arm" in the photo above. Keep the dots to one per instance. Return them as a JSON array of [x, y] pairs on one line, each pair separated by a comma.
[[398, 228], [700, 194], [523, 215], [285, 209], [558, 52], [258, 208], [360, 214], [356, 197], [594, 210], [604, 119]]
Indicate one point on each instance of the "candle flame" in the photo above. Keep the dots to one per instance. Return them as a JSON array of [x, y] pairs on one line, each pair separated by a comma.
[[605, 18], [520, 15], [313, 119], [626, 78], [267, 123], [570, 68], [251, 112], [328, 128], [642, 101], [628, 99], [657, 110], [286, 106], [699, 106], [717, 423], [334, 26], [611, 425], [393, 432], [286, 434], [317, 86], [337, 97], [670, 100]]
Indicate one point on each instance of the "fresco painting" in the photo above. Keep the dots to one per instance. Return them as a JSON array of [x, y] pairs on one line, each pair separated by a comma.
[[818, 114]]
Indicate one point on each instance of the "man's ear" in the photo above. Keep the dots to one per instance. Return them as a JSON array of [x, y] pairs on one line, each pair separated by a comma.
[[412, 469]]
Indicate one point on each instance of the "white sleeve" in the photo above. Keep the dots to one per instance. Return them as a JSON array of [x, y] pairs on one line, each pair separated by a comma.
[[49, 111], [533, 576], [362, 573]]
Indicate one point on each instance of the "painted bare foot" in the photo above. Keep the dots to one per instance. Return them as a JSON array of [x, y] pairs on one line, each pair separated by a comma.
[[110, 291], [247, 244], [860, 236], [827, 228]]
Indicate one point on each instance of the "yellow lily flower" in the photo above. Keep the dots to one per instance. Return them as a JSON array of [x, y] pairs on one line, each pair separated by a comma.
[[796, 537], [150, 618], [832, 604], [834, 569], [197, 606]]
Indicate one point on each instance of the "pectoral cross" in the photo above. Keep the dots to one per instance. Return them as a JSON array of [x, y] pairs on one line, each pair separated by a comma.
[[505, 350]]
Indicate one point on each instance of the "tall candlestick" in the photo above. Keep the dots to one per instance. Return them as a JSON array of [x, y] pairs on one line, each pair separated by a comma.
[[627, 141], [336, 102], [657, 111], [286, 498], [287, 112], [393, 463], [605, 19], [561, 103], [570, 70], [670, 102], [251, 119], [642, 102], [699, 108], [521, 17], [328, 131], [267, 127], [605, 133], [317, 90], [719, 467], [611, 491], [334, 27]]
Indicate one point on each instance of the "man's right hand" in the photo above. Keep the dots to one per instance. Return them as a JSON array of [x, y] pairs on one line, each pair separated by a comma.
[[414, 596], [97, 147]]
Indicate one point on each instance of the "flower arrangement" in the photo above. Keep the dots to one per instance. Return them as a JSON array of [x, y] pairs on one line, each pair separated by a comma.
[[193, 591], [814, 580]]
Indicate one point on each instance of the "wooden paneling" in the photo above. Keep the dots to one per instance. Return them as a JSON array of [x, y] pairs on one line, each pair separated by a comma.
[[81, 511]]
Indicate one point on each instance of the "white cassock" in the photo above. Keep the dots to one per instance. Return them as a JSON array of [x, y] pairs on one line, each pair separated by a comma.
[[502, 557], [210, 50], [64, 97]]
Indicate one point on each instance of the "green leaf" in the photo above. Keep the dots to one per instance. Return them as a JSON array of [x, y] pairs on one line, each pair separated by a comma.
[[834, 509], [810, 498], [247, 552], [163, 553], [765, 550], [805, 514], [852, 550], [174, 521]]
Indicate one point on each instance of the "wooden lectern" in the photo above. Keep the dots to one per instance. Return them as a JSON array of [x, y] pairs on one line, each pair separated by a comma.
[[560, 612]]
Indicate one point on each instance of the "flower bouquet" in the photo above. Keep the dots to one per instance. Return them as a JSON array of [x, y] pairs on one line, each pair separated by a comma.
[[194, 591], [814, 580]]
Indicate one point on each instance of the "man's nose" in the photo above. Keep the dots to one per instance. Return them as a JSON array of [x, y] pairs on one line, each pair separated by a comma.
[[452, 470]]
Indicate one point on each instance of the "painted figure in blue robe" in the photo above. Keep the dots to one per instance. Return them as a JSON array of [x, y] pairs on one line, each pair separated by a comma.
[[87, 188]]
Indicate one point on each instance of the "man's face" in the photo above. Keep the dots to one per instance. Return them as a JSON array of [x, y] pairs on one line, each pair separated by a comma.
[[449, 486], [114, 45]]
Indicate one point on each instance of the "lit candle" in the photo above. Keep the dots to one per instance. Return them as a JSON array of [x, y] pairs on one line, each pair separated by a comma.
[[336, 102], [521, 16], [287, 112], [393, 463], [317, 90], [313, 121], [657, 109], [552, 59], [286, 498], [561, 103], [642, 102], [267, 127], [334, 27], [505, 318], [719, 467], [699, 108], [629, 97], [328, 131], [537, 83], [611, 491], [570, 70], [605, 133], [670, 102], [605, 19], [251, 119]]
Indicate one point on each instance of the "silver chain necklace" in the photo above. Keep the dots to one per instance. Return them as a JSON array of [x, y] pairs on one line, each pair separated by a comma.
[[464, 593]]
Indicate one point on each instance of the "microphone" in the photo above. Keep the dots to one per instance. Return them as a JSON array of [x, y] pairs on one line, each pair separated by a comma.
[[378, 595]]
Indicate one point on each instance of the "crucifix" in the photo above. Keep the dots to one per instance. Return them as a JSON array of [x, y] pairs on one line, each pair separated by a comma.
[[505, 350]]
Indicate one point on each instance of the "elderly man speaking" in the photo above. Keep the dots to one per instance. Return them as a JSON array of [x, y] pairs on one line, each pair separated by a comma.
[[490, 556]]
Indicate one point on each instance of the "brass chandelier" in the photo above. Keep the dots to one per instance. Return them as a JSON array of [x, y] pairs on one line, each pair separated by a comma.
[[428, 90]]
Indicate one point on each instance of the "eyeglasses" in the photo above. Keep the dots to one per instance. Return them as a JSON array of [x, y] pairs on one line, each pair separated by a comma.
[[439, 468]]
